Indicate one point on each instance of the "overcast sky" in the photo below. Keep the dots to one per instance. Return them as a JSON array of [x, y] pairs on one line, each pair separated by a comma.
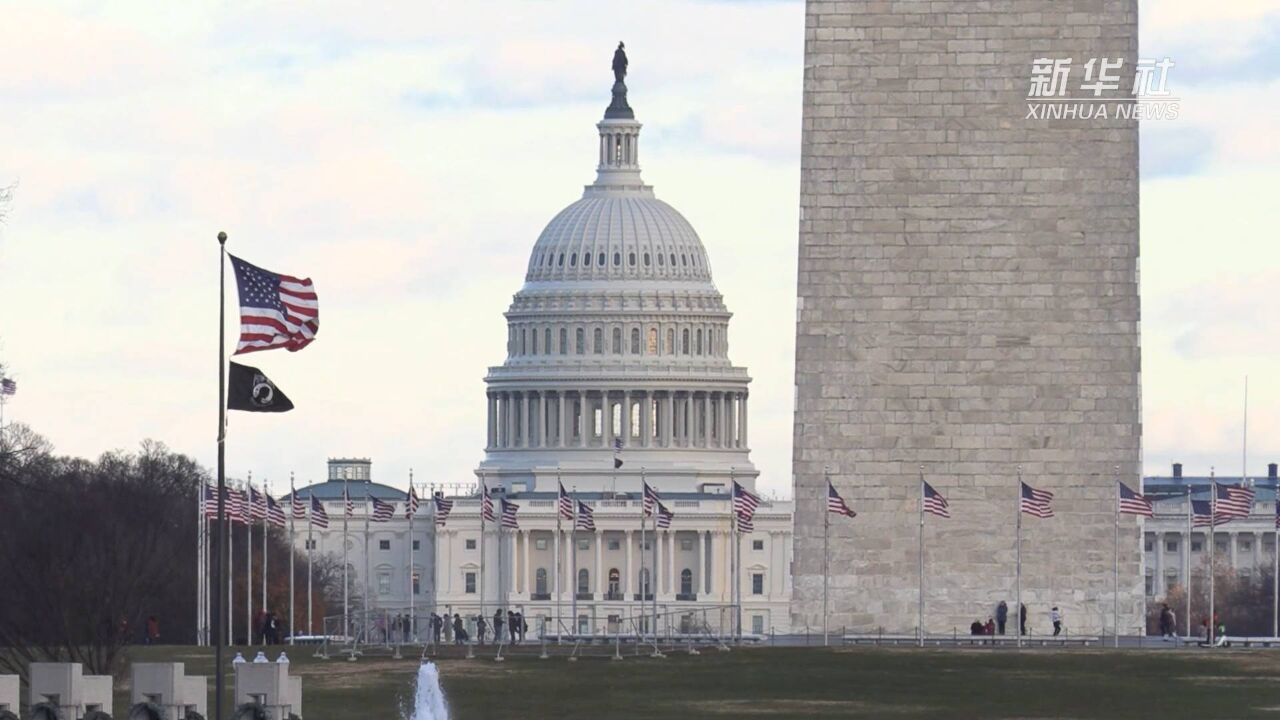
[[405, 156]]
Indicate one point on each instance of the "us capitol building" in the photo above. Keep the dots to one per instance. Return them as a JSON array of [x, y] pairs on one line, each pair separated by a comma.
[[617, 350]]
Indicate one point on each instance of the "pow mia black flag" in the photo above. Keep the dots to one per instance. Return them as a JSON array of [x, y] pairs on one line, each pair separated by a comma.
[[248, 389]]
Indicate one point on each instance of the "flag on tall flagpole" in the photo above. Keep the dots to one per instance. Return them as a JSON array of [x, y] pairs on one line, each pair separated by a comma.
[[1201, 513], [564, 502], [348, 507], [1234, 501], [1134, 503], [665, 517], [319, 518], [1037, 503], [210, 503], [250, 390], [382, 511], [934, 503], [443, 508], [275, 310], [509, 510], [836, 504], [585, 519], [650, 499], [617, 453], [486, 505], [745, 503], [8, 386], [257, 504], [275, 513], [411, 501], [299, 508]]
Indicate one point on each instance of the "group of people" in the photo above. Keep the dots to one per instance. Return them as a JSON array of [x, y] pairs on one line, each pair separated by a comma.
[[996, 625], [509, 626]]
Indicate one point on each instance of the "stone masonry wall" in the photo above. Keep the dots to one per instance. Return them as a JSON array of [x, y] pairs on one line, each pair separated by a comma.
[[968, 302]]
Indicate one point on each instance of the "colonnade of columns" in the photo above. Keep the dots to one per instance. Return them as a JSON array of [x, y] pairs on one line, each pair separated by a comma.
[[1162, 560], [596, 418]]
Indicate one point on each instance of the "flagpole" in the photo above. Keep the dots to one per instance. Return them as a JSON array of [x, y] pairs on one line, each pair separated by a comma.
[[265, 520], [643, 516], [413, 635], [484, 494], [1018, 554], [311, 549], [556, 552], [1213, 541], [573, 570], [346, 510], [365, 604], [1115, 584], [735, 595], [1188, 557], [920, 569], [200, 566], [248, 562], [655, 573], [826, 557], [292, 628], [219, 562], [231, 580]]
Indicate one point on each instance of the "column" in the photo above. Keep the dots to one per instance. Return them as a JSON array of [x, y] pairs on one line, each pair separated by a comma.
[[606, 419], [700, 568], [706, 419], [1257, 549], [731, 420], [668, 429], [562, 417], [743, 421], [542, 418], [1232, 538], [582, 418], [673, 585], [525, 439], [628, 580], [568, 561], [528, 571], [510, 402], [493, 419], [1157, 562], [646, 419], [599, 540], [689, 426], [625, 425]]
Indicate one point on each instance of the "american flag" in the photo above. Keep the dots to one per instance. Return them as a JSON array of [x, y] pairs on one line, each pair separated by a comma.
[[319, 517], [237, 506], [744, 507], [1234, 501], [1132, 503], [275, 310], [210, 503], [836, 504], [617, 453], [443, 507], [509, 510], [411, 503], [348, 507], [257, 505], [565, 503], [275, 513], [1036, 502], [585, 519], [299, 509], [8, 387], [1201, 513], [486, 505], [382, 511], [934, 503], [665, 517], [650, 499]]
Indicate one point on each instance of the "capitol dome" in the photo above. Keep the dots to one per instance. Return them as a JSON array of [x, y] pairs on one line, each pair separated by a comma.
[[617, 344]]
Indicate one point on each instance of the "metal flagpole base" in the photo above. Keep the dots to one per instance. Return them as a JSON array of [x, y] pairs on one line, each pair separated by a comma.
[[471, 651], [544, 655], [397, 655]]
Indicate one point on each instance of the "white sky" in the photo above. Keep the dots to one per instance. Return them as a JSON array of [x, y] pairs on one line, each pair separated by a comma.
[[405, 156]]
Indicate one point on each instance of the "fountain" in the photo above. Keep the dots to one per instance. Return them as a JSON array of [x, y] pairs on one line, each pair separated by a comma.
[[429, 704]]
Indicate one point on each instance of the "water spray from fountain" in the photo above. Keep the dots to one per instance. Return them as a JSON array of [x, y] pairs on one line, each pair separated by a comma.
[[428, 703]]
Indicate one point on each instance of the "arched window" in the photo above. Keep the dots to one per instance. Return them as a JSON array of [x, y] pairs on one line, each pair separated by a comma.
[[660, 258], [617, 259], [597, 345], [561, 261], [584, 581], [564, 341], [582, 341], [615, 583], [635, 341], [586, 259], [699, 336], [600, 260], [631, 259], [652, 348], [546, 341], [684, 260], [686, 582], [684, 341], [533, 341], [646, 259], [524, 346], [573, 260], [673, 259], [671, 341], [540, 582], [617, 341], [644, 582]]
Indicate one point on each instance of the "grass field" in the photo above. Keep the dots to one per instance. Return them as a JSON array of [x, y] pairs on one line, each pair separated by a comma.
[[796, 683]]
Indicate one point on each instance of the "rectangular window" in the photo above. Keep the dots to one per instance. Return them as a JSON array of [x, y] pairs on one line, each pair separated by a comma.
[[416, 545], [615, 544], [757, 624], [652, 346], [1151, 585], [1246, 544], [384, 583], [1171, 546], [540, 543], [686, 544], [1195, 546], [757, 544], [384, 544], [470, 583], [581, 337], [671, 341], [1146, 546], [597, 344], [646, 545], [471, 544], [584, 545], [417, 584], [564, 341], [757, 583], [1170, 581], [546, 341], [311, 545]]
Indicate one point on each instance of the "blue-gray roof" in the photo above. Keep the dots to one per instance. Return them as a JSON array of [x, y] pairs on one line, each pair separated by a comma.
[[358, 489], [1162, 487]]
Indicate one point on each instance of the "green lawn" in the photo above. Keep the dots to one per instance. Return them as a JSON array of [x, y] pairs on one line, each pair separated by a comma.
[[799, 683]]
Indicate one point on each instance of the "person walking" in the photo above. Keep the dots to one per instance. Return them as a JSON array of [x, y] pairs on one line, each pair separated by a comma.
[[1055, 615], [1165, 621], [497, 625], [458, 632], [1022, 620], [1002, 616], [437, 627], [480, 628], [513, 626]]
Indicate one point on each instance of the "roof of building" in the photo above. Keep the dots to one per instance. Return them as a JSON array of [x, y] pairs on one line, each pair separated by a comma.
[[358, 489]]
